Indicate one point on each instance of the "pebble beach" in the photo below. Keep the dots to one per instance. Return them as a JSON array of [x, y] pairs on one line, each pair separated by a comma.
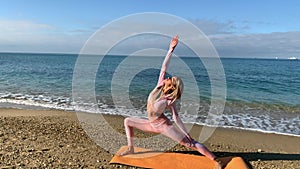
[[55, 139]]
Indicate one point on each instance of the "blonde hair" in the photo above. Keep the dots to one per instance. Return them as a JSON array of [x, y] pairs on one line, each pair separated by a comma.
[[177, 89]]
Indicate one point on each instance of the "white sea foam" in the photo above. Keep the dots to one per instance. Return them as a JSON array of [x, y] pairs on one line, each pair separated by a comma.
[[9, 100], [246, 121]]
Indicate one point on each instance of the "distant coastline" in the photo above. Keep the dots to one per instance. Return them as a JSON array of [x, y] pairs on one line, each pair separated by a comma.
[[293, 58], [125, 55]]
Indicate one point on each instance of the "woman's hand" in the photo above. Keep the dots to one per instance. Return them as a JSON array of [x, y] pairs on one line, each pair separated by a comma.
[[174, 42], [191, 140]]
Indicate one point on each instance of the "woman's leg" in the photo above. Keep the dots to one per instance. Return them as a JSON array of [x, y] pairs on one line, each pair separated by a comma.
[[178, 136], [141, 124], [167, 129]]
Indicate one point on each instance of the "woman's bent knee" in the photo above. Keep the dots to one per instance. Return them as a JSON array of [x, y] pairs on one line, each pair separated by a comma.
[[127, 121]]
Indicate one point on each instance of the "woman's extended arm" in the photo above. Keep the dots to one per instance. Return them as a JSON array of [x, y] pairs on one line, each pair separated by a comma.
[[167, 59]]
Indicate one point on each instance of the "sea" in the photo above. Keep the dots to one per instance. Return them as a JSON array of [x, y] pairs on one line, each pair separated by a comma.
[[261, 94]]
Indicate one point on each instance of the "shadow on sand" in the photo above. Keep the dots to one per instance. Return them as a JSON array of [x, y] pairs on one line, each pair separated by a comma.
[[251, 156]]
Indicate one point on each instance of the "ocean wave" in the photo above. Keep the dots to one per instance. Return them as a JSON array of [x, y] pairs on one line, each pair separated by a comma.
[[246, 118], [10, 100]]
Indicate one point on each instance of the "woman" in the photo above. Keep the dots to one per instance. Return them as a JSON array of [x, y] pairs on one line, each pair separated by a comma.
[[163, 97]]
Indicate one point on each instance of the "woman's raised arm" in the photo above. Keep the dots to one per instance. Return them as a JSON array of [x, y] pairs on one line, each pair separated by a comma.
[[167, 59]]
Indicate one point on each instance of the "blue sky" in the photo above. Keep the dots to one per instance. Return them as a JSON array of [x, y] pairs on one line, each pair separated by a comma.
[[268, 28]]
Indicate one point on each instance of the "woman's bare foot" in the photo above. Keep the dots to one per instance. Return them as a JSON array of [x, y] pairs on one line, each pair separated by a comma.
[[129, 150], [219, 164]]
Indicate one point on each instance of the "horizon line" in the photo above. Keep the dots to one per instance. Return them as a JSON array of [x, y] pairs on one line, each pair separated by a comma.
[[224, 57]]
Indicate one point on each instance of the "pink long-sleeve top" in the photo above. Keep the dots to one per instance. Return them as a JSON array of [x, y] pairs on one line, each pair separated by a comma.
[[157, 102]]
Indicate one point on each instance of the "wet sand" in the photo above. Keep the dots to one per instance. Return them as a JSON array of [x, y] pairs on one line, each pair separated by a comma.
[[56, 139]]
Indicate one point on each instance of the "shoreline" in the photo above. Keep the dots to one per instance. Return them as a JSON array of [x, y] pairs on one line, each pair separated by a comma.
[[55, 139], [280, 121], [37, 106]]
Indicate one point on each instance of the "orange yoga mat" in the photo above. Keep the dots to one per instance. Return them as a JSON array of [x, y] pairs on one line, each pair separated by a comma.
[[161, 160]]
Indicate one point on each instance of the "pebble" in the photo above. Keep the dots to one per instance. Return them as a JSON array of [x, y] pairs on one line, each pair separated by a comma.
[[45, 149]]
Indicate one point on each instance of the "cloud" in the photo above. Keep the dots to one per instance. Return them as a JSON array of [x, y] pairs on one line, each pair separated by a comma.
[[227, 37], [21, 26], [270, 45], [234, 40], [210, 27], [28, 36]]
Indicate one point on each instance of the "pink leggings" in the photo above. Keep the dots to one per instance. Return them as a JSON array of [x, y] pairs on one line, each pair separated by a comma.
[[162, 125]]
